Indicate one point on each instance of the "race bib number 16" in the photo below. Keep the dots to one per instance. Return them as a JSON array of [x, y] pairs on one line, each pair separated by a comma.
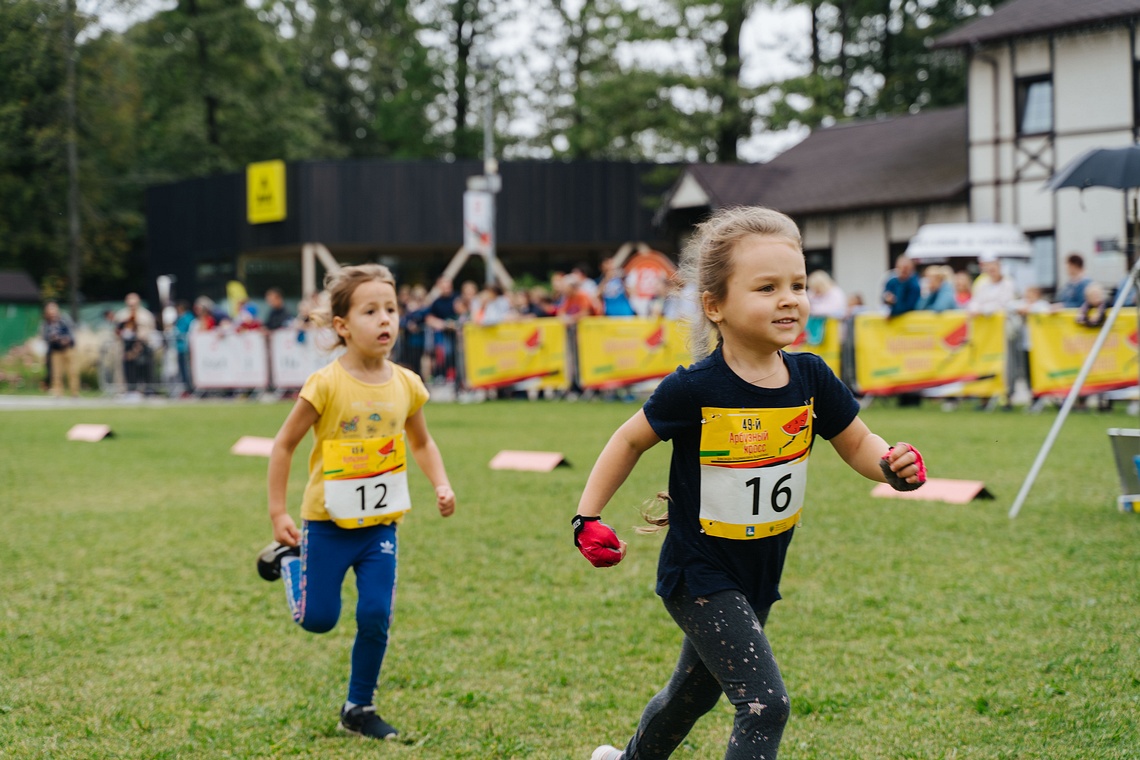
[[753, 470], [366, 480]]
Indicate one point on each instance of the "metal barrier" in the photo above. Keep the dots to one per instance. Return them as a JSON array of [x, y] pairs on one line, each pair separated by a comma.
[[978, 357]]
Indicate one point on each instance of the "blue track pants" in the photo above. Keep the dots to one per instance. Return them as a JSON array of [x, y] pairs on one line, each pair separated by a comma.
[[313, 586]]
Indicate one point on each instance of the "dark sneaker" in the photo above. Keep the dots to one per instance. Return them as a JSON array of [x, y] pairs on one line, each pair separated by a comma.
[[362, 720], [269, 560]]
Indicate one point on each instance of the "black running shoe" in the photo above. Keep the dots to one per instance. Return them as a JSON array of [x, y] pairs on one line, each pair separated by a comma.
[[362, 720], [269, 560]]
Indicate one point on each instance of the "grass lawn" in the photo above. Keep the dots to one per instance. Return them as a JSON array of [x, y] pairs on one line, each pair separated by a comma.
[[133, 623]]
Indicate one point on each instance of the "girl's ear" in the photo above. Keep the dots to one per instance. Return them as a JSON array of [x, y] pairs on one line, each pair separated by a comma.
[[340, 326], [711, 308]]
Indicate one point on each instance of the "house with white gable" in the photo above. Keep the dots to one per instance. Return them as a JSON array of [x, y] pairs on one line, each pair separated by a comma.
[[1047, 80]]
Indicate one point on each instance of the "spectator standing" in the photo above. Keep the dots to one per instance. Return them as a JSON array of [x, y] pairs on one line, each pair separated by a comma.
[[578, 302], [646, 278], [441, 318], [993, 291], [277, 316], [59, 335], [492, 306], [138, 331], [1092, 311], [939, 295], [1072, 294], [132, 307], [613, 291], [902, 291], [585, 282], [110, 352], [963, 289], [465, 304], [182, 326], [541, 302], [204, 318], [826, 298], [1034, 302], [247, 318]]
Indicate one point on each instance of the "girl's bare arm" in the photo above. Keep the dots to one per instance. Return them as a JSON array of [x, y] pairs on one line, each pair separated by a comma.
[[301, 418], [615, 463]]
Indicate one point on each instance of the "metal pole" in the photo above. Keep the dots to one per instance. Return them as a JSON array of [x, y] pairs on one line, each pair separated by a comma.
[[73, 232], [490, 167], [1121, 297]]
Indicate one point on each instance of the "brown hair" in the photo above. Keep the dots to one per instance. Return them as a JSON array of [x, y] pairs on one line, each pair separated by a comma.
[[707, 260], [339, 287]]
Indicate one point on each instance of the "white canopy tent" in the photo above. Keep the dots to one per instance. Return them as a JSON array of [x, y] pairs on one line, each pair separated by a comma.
[[948, 242], [940, 242]]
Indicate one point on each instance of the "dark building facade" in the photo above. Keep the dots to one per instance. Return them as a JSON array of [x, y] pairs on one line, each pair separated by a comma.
[[407, 215]]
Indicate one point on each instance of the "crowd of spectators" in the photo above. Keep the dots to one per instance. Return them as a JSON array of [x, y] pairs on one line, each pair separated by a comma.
[[993, 290], [141, 348]]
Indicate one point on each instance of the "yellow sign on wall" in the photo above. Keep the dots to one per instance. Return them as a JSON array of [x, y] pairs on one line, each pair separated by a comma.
[[265, 191]]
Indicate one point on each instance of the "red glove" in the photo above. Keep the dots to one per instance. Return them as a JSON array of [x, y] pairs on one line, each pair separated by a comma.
[[597, 541], [897, 483]]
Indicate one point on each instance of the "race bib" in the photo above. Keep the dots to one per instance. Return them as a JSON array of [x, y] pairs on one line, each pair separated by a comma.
[[366, 480], [753, 470]]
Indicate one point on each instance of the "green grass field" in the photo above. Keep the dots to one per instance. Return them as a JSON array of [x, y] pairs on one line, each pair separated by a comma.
[[133, 623]]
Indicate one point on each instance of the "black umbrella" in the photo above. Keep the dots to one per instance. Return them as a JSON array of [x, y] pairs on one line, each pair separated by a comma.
[[1101, 167], [1106, 167]]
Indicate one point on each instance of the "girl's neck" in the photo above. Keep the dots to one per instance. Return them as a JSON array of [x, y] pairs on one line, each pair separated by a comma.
[[760, 368], [367, 369]]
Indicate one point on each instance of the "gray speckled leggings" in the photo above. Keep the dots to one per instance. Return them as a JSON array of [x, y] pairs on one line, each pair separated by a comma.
[[725, 652]]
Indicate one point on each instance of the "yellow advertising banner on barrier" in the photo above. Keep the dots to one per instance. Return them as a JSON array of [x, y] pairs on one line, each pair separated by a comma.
[[513, 352], [821, 338], [616, 352], [922, 349], [1058, 347]]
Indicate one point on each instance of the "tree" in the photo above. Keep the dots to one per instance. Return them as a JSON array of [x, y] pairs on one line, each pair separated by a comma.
[[461, 34], [219, 89], [363, 64], [872, 57], [33, 186], [641, 81]]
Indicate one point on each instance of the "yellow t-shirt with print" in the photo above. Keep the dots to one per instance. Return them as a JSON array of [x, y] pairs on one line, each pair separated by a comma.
[[351, 409]]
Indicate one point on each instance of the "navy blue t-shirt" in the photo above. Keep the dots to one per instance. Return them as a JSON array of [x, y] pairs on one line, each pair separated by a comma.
[[708, 564]]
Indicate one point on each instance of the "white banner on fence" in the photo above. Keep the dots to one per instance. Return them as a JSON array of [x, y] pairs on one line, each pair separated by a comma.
[[229, 360], [295, 354]]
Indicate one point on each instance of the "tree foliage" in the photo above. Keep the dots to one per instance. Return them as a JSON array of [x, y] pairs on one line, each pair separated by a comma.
[[32, 165], [208, 86], [872, 57]]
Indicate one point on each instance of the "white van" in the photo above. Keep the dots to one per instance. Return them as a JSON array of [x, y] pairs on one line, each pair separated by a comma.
[[960, 246]]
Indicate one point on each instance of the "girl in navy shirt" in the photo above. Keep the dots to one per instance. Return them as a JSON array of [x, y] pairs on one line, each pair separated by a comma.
[[742, 420]]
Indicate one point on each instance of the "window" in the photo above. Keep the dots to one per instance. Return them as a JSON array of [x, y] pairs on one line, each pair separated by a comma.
[[1044, 258], [1136, 94], [1035, 106], [818, 258], [894, 250]]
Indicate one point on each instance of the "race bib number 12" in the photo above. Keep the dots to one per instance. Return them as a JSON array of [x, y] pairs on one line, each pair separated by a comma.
[[753, 470], [366, 480]]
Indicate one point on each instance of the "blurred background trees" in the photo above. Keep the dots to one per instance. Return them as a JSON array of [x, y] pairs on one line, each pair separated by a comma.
[[198, 87]]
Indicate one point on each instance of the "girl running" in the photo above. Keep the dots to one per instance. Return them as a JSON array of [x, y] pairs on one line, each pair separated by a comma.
[[366, 414], [742, 420]]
